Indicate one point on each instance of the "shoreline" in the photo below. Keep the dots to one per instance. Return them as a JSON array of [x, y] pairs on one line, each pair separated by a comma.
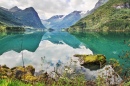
[[27, 74]]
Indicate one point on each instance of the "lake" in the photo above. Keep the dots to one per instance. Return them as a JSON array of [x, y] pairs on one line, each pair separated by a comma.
[[46, 49], [111, 44]]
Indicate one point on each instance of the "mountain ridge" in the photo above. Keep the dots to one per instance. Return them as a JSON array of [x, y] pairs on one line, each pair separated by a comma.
[[15, 9], [22, 18]]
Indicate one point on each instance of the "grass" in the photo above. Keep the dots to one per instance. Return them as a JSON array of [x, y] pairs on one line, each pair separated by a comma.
[[64, 81], [10, 82]]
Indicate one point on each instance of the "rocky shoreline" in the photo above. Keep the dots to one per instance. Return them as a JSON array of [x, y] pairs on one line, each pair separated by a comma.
[[19, 72], [28, 74]]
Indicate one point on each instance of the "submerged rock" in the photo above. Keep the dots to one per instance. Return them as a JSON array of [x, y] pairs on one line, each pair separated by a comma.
[[98, 59]]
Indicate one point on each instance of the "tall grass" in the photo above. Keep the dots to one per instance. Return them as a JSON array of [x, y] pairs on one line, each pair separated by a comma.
[[10, 82]]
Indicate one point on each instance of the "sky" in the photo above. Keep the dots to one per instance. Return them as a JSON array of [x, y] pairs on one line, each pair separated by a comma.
[[49, 8]]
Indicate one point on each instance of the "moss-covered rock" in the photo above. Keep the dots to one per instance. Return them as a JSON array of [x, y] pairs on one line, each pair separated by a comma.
[[91, 59], [30, 69], [23, 72], [19, 72], [28, 77], [5, 72]]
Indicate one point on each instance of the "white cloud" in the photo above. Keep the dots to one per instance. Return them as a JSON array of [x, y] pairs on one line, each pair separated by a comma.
[[48, 8]]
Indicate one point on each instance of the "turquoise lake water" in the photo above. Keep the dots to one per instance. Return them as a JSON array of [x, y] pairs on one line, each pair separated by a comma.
[[111, 44]]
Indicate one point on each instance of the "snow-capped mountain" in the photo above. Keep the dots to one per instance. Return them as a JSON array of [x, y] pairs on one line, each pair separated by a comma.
[[58, 22]]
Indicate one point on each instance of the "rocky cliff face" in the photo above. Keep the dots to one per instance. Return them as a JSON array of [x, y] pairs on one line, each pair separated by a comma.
[[121, 6]]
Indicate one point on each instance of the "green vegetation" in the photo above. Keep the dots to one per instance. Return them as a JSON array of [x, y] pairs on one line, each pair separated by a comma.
[[23, 77], [2, 27], [79, 81], [15, 29], [107, 17], [10, 82], [6, 28]]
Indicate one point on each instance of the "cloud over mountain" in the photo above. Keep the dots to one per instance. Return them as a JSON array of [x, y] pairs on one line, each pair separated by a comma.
[[48, 8]]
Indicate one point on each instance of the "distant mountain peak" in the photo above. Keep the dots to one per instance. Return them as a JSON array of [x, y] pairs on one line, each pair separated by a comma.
[[57, 16], [14, 9], [30, 8]]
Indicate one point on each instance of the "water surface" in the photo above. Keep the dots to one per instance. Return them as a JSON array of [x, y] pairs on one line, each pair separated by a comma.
[[54, 46], [59, 46], [111, 44]]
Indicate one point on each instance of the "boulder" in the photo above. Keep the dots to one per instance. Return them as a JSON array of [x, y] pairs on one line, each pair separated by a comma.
[[18, 72], [5, 71], [98, 59], [22, 73], [28, 77]]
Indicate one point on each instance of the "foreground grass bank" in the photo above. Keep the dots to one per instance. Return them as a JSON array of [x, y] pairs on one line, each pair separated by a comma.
[[61, 82]]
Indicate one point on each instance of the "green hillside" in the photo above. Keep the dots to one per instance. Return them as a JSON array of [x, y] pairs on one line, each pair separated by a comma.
[[114, 15]]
